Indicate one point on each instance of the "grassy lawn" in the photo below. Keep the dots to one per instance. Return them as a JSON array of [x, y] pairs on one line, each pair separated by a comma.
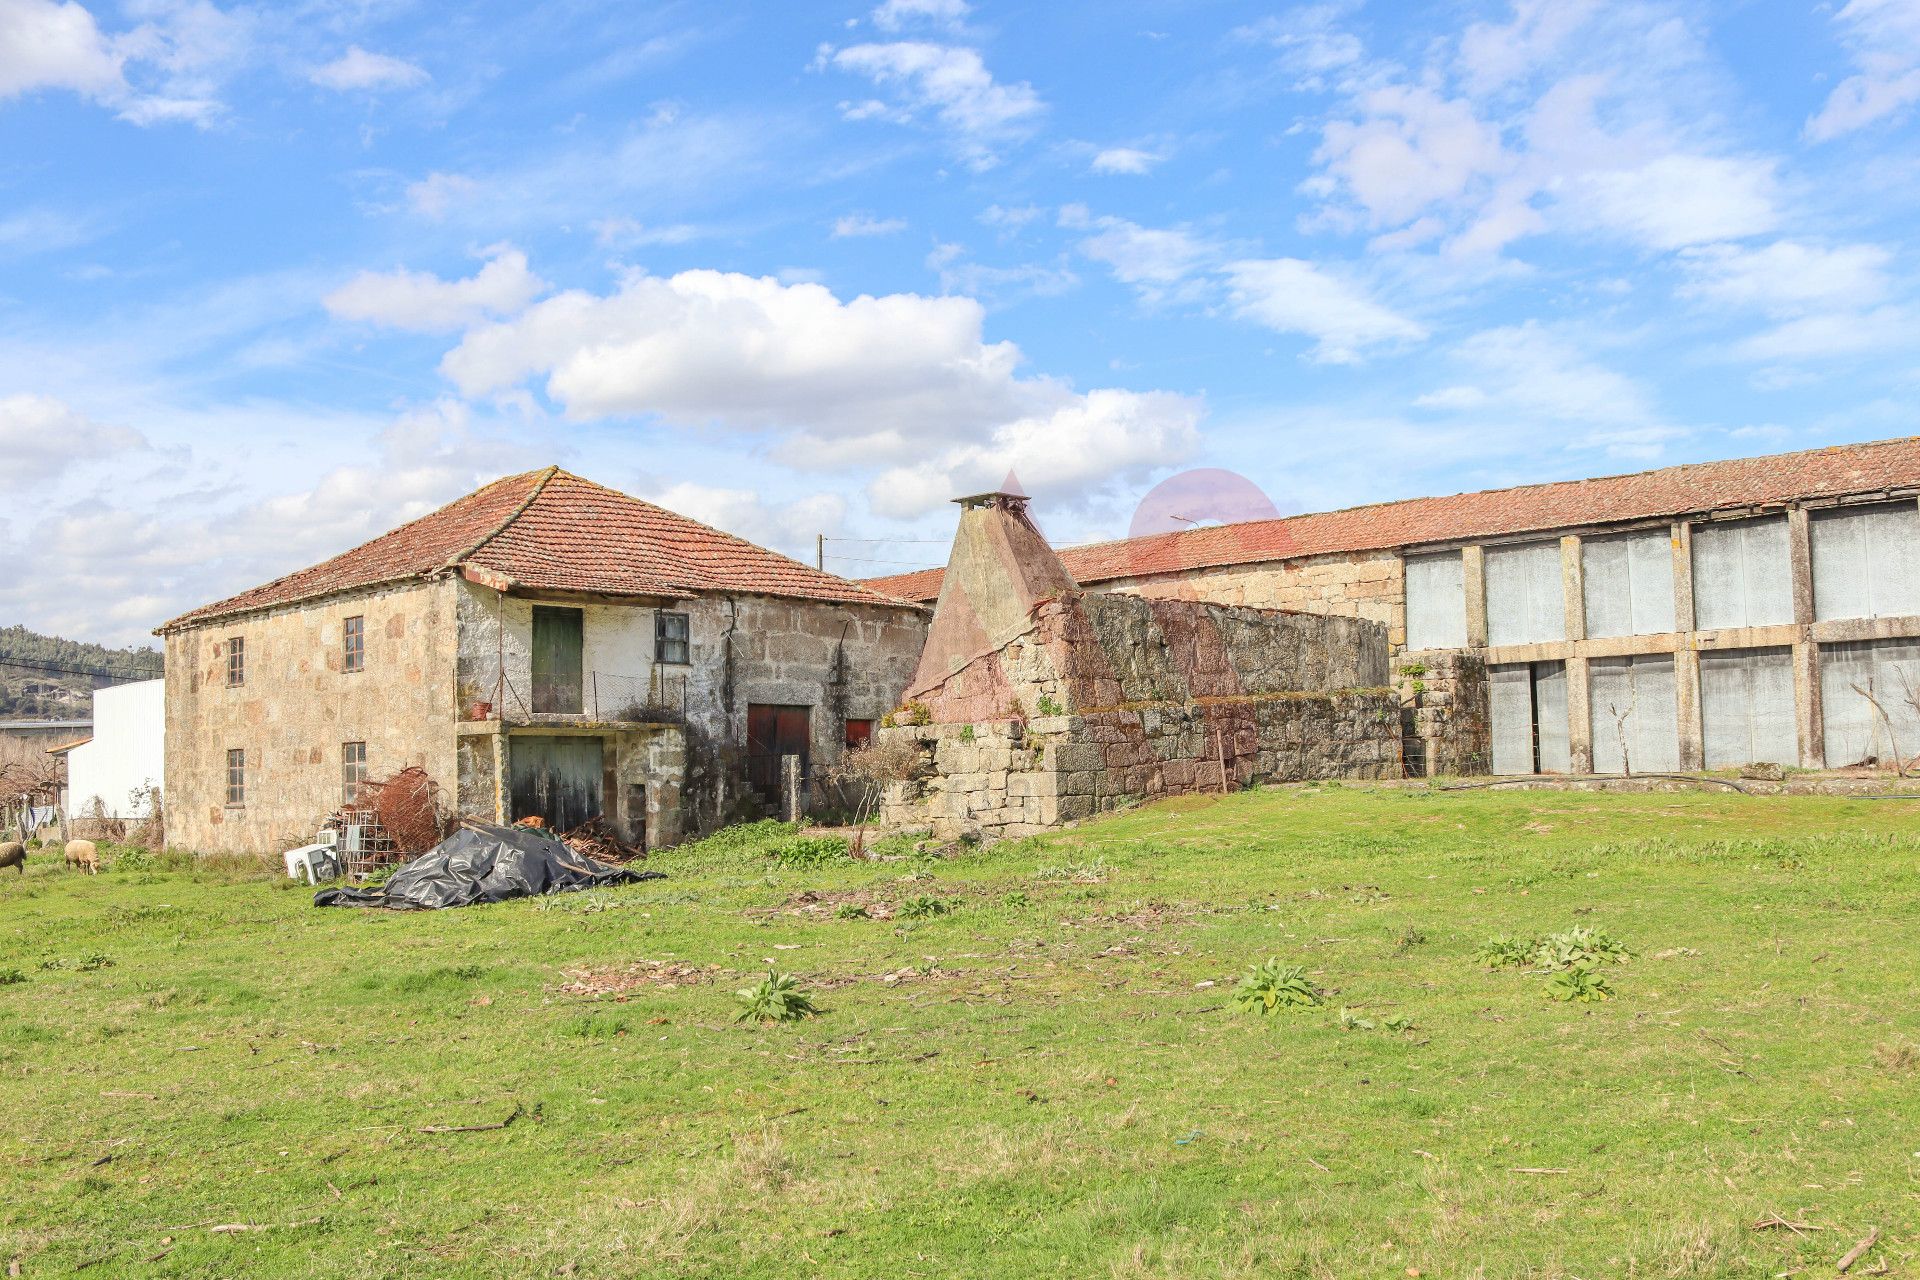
[[1050, 1078]]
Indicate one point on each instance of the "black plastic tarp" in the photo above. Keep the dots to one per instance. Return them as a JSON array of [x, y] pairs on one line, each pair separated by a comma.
[[484, 863]]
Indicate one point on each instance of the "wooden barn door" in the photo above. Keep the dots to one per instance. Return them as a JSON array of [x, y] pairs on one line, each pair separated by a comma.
[[558, 780], [772, 732]]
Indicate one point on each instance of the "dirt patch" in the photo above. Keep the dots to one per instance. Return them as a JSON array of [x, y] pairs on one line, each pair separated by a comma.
[[661, 975]]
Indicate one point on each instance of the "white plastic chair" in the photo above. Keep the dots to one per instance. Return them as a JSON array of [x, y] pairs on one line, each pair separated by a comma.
[[302, 858]]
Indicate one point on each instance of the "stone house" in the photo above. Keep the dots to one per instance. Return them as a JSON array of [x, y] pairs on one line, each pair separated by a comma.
[[1699, 616], [543, 646], [1036, 703]]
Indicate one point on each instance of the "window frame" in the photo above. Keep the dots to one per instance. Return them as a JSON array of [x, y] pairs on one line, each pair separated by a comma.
[[236, 655], [353, 643], [236, 778], [349, 780], [662, 641], [847, 737]]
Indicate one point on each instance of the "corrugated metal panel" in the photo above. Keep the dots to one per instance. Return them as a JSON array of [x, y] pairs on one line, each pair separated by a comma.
[[1629, 584], [1746, 707], [1526, 602], [1436, 602], [1864, 561], [1890, 671], [1634, 697], [1550, 717], [1742, 574], [1512, 706]]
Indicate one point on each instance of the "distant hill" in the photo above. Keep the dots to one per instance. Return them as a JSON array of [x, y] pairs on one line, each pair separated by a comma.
[[55, 677]]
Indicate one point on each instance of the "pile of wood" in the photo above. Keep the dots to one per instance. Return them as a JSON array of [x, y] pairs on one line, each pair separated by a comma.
[[591, 839]]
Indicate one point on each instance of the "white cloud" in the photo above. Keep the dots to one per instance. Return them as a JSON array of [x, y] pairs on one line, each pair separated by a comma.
[[838, 384], [1063, 457], [45, 44], [434, 195], [41, 436], [1309, 39], [979, 280], [1127, 160], [1679, 200], [1009, 218], [949, 81], [1153, 259], [857, 225], [180, 54], [357, 69], [1835, 335], [892, 15], [1787, 275], [789, 527], [1884, 36], [424, 303], [1410, 149], [632, 233], [711, 347], [1295, 296], [1494, 55], [1531, 383]]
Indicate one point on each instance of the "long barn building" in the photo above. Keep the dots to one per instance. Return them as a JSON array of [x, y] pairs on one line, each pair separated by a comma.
[[1701, 616]]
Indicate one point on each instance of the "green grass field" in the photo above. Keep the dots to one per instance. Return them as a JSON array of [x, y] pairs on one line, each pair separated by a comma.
[[1051, 1077]]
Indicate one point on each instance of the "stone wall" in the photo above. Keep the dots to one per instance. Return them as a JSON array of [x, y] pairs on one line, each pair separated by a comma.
[[296, 709], [1008, 778], [1445, 715], [1368, 585], [1107, 698]]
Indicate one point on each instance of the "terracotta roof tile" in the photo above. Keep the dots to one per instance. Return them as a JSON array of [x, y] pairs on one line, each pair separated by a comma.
[[1670, 491], [554, 531]]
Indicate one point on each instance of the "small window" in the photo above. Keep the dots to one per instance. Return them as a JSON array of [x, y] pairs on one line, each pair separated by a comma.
[[353, 769], [353, 636], [236, 778], [236, 661], [670, 638], [859, 732]]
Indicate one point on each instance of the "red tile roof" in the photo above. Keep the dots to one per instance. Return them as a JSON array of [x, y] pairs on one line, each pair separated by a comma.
[[550, 530], [1670, 491]]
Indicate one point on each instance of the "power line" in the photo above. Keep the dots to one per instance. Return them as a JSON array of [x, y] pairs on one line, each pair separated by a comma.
[[74, 669], [915, 564], [930, 542]]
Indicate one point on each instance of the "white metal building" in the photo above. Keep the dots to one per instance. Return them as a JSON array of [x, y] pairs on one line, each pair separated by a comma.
[[125, 754]]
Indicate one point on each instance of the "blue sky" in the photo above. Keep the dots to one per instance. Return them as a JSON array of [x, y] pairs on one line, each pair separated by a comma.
[[274, 278]]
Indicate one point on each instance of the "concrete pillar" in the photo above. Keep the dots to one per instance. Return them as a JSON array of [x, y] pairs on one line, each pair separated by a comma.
[[1473, 577], [1579, 718], [1683, 577], [1809, 717], [500, 779], [1573, 581], [792, 795], [1808, 714], [1800, 564], [1686, 696]]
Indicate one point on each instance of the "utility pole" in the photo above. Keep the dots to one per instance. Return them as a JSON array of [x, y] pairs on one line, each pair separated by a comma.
[[820, 551]]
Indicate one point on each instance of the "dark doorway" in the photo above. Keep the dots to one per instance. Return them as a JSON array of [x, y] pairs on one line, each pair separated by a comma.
[[556, 779], [557, 665], [773, 732]]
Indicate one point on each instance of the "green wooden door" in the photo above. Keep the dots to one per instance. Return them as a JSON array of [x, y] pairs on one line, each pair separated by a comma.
[[557, 666]]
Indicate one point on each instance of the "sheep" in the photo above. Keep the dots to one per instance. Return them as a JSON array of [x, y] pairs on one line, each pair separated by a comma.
[[81, 853], [13, 854]]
